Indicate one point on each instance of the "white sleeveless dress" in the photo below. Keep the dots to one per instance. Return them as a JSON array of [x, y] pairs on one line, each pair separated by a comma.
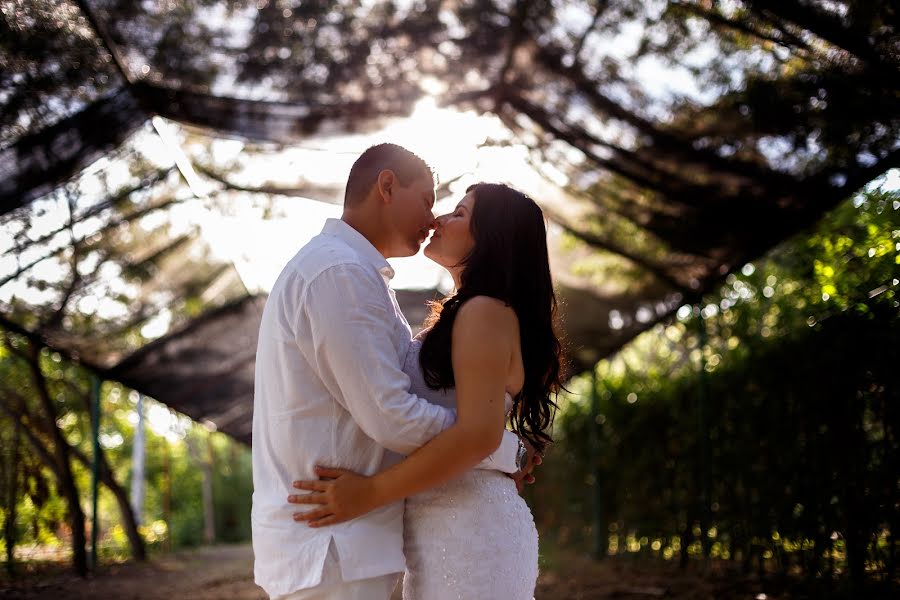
[[472, 538]]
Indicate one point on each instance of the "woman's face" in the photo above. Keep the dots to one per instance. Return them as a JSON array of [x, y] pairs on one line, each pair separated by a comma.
[[452, 239]]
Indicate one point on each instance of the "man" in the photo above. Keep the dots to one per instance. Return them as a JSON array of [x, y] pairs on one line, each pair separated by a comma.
[[330, 389]]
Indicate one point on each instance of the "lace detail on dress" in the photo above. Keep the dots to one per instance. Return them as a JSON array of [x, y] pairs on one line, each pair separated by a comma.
[[472, 538]]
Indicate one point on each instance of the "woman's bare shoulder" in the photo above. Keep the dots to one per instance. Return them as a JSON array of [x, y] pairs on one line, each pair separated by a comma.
[[489, 313]]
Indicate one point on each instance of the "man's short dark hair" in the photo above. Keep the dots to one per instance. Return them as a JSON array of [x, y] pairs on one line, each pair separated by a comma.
[[406, 166]]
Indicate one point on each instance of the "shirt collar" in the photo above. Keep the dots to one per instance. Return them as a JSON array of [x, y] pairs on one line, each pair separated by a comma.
[[359, 244]]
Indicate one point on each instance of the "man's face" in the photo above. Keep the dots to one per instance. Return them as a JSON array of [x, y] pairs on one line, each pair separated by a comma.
[[411, 214]]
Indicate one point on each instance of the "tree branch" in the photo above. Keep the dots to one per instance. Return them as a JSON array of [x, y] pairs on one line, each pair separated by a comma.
[[39, 339], [98, 208], [828, 27], [111, 225], [599, 9], [39, 446], [668, 143], [716, 18], [624, 163], [596, 241], [322, 193]]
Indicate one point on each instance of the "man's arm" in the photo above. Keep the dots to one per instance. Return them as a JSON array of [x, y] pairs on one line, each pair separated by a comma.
[[352, 333]]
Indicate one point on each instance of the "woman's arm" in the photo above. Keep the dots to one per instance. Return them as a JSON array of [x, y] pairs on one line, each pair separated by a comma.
[[484, 336]]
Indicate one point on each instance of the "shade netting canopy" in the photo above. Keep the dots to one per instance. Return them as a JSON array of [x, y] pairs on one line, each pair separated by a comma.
[[672, 143]]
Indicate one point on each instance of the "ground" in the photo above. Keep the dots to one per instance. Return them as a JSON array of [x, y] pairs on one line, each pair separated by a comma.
[[226, 571], [206, 573]]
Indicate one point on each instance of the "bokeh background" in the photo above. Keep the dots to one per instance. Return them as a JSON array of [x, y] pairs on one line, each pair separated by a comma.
[[721, 188]]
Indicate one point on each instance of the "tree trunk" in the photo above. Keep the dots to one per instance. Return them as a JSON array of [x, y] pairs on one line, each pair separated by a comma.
[[61, 451], [129, 521], [856, 544], [138, 550], [9, 529], [209, 515], [687, 537], [68, 489], [202, 453]]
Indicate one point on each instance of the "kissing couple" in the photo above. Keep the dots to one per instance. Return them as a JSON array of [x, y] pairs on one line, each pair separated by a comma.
[[376, 454]]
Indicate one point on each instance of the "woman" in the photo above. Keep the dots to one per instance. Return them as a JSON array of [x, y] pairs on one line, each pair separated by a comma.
[[490, 351]]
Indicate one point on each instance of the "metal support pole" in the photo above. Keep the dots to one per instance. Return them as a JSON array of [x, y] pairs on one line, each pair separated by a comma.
[[597, 430], [138, 455], [705, 457], [207, 463], [167, 493], [95, 467]]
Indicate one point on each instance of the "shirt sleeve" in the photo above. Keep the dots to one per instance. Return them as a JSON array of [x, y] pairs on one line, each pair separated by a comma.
[[352, 328]]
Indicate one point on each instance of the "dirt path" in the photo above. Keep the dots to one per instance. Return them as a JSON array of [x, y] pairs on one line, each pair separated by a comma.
[[203, 574], [227, 572]]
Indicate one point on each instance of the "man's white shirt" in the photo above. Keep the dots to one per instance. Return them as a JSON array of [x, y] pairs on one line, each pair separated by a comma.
[[330, 391]]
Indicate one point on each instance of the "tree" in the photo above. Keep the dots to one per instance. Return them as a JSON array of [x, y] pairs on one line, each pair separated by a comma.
[[101, 248]]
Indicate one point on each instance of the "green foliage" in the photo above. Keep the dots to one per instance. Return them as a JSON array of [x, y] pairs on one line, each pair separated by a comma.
[[182, 470], [233, 489], [778, 402], [41, 514]]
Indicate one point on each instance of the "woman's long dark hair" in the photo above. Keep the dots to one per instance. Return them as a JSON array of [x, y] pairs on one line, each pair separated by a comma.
[[509, 262]]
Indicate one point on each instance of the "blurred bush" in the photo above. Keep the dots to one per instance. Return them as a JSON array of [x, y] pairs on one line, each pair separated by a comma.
[[762, 427]]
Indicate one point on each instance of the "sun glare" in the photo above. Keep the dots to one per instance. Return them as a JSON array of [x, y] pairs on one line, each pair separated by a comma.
[[459, 145], [456, 144]]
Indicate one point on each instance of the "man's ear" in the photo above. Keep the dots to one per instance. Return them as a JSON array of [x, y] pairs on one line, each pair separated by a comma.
[[385, 185]]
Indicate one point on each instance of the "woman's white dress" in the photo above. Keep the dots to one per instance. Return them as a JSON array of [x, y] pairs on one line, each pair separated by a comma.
[[472, 538]]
